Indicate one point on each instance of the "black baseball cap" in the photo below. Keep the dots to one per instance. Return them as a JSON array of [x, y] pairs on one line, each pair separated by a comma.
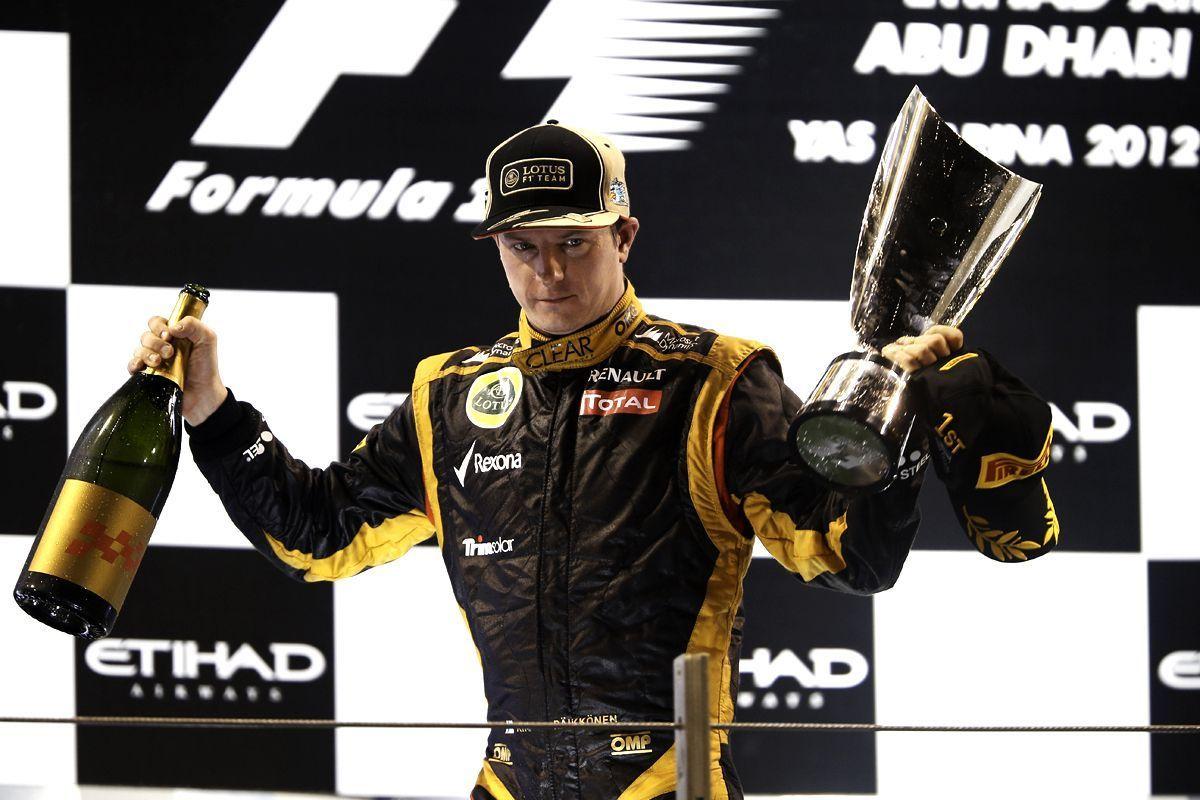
[[553, 176]]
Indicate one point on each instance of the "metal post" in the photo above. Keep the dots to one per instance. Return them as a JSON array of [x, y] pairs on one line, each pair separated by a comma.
[[692, 761]]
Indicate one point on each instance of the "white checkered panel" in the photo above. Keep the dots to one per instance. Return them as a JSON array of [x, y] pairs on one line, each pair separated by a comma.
[[291, 377], [35, 210], [404, 655], [1167, 403]]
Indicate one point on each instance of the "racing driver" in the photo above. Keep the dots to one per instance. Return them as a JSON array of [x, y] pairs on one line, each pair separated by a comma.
[[631, 462]]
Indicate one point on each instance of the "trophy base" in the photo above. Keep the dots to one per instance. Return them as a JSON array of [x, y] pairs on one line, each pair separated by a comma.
[[851, 432]]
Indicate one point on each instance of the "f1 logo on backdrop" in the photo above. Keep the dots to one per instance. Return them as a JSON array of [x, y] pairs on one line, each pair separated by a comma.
[[622, 61]]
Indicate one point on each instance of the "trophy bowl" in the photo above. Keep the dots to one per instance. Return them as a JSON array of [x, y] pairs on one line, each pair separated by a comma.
[[940, 220]]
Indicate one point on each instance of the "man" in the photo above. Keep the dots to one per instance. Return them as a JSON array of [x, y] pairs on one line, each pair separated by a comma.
[[596, 479]]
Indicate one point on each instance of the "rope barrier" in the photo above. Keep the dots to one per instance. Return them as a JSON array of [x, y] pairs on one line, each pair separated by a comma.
[[271, 722]]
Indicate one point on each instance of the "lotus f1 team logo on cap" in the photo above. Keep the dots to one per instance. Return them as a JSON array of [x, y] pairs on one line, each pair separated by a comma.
[[537, 173], [493, 397]]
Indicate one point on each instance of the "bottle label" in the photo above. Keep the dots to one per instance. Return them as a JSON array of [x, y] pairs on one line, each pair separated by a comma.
[[94, 538]]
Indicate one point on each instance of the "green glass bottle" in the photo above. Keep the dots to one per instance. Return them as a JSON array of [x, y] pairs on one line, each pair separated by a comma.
[[107, 502]]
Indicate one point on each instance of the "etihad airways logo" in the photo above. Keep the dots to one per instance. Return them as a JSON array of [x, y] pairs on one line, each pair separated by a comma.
[[502, 462], [17, 405], [478, 547], [1180, 670], [831, 668], [1093, 423]]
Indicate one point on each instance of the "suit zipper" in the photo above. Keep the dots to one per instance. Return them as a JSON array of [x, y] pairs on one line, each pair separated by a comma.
[[539, 586]]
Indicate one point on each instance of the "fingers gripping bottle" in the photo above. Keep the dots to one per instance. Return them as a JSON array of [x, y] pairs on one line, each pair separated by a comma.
[[98, 526]]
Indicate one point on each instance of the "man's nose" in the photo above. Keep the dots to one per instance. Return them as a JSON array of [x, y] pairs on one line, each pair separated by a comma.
[[548, 266]]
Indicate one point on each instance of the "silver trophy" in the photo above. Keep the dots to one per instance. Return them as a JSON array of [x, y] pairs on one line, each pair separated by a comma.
[[940, 221]]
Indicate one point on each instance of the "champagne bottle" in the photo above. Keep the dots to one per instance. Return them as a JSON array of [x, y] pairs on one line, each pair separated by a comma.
[[116, 480]]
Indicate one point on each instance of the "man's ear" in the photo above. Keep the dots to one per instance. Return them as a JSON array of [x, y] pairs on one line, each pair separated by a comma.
[[625, 236]]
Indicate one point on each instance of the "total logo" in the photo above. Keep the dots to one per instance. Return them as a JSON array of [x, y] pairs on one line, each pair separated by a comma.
[[831, 668], [26, 401], [596, 403], [199, 674], [478, 547], [482, 463], [1180, 670], [1094, 423]]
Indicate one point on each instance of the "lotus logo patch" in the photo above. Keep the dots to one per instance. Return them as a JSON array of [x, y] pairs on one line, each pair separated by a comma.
[[536, 173], [493, 397]]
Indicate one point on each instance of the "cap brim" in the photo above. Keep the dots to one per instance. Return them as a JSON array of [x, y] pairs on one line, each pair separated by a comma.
[[550, 217]]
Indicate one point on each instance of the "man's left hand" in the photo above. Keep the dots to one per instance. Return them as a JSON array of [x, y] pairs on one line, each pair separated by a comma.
[[913, 352]]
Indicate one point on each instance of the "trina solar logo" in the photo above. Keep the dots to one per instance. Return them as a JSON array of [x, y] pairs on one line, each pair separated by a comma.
[[181, 670], [832, 668], [310, 44]]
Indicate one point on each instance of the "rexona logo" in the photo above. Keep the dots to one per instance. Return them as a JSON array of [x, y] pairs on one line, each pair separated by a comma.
[[478, 547], [198, 674], [1180, 670], [831, 668], [620, 401], [504, 461], [493, 396], [26, 401], [1094, 423]]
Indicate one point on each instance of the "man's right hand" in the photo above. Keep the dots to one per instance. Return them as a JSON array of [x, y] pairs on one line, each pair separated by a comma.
[[205, 391]]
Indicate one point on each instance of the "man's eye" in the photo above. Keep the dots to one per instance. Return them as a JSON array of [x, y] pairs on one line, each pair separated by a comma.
[[521, 247], [574, 241]]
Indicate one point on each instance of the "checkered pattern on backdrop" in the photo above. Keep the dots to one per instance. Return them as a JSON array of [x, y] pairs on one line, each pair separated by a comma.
[[318, 166]]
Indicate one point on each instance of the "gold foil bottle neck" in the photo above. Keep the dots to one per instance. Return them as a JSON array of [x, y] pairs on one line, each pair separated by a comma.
[[192, 302]]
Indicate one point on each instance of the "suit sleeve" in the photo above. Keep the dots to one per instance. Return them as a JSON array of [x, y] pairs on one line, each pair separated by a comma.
[[991, 437], [316, 524], [826, 539]]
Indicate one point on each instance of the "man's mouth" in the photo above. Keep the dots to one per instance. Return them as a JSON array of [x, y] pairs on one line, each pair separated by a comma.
[[555, 299]]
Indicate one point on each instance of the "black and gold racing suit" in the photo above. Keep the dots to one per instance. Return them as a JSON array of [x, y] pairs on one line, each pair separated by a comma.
[[595, 498]]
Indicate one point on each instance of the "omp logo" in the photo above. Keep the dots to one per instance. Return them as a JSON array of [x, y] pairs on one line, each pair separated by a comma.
[[179, 669], [1094, 423], [1180, 670], [501, 753], [629, 66], [629, 744], [370, 408], [832, 668], [478, 547], [504, 461], [26, 401]]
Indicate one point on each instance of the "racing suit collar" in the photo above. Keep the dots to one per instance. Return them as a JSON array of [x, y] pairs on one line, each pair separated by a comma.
[[583, 347]]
